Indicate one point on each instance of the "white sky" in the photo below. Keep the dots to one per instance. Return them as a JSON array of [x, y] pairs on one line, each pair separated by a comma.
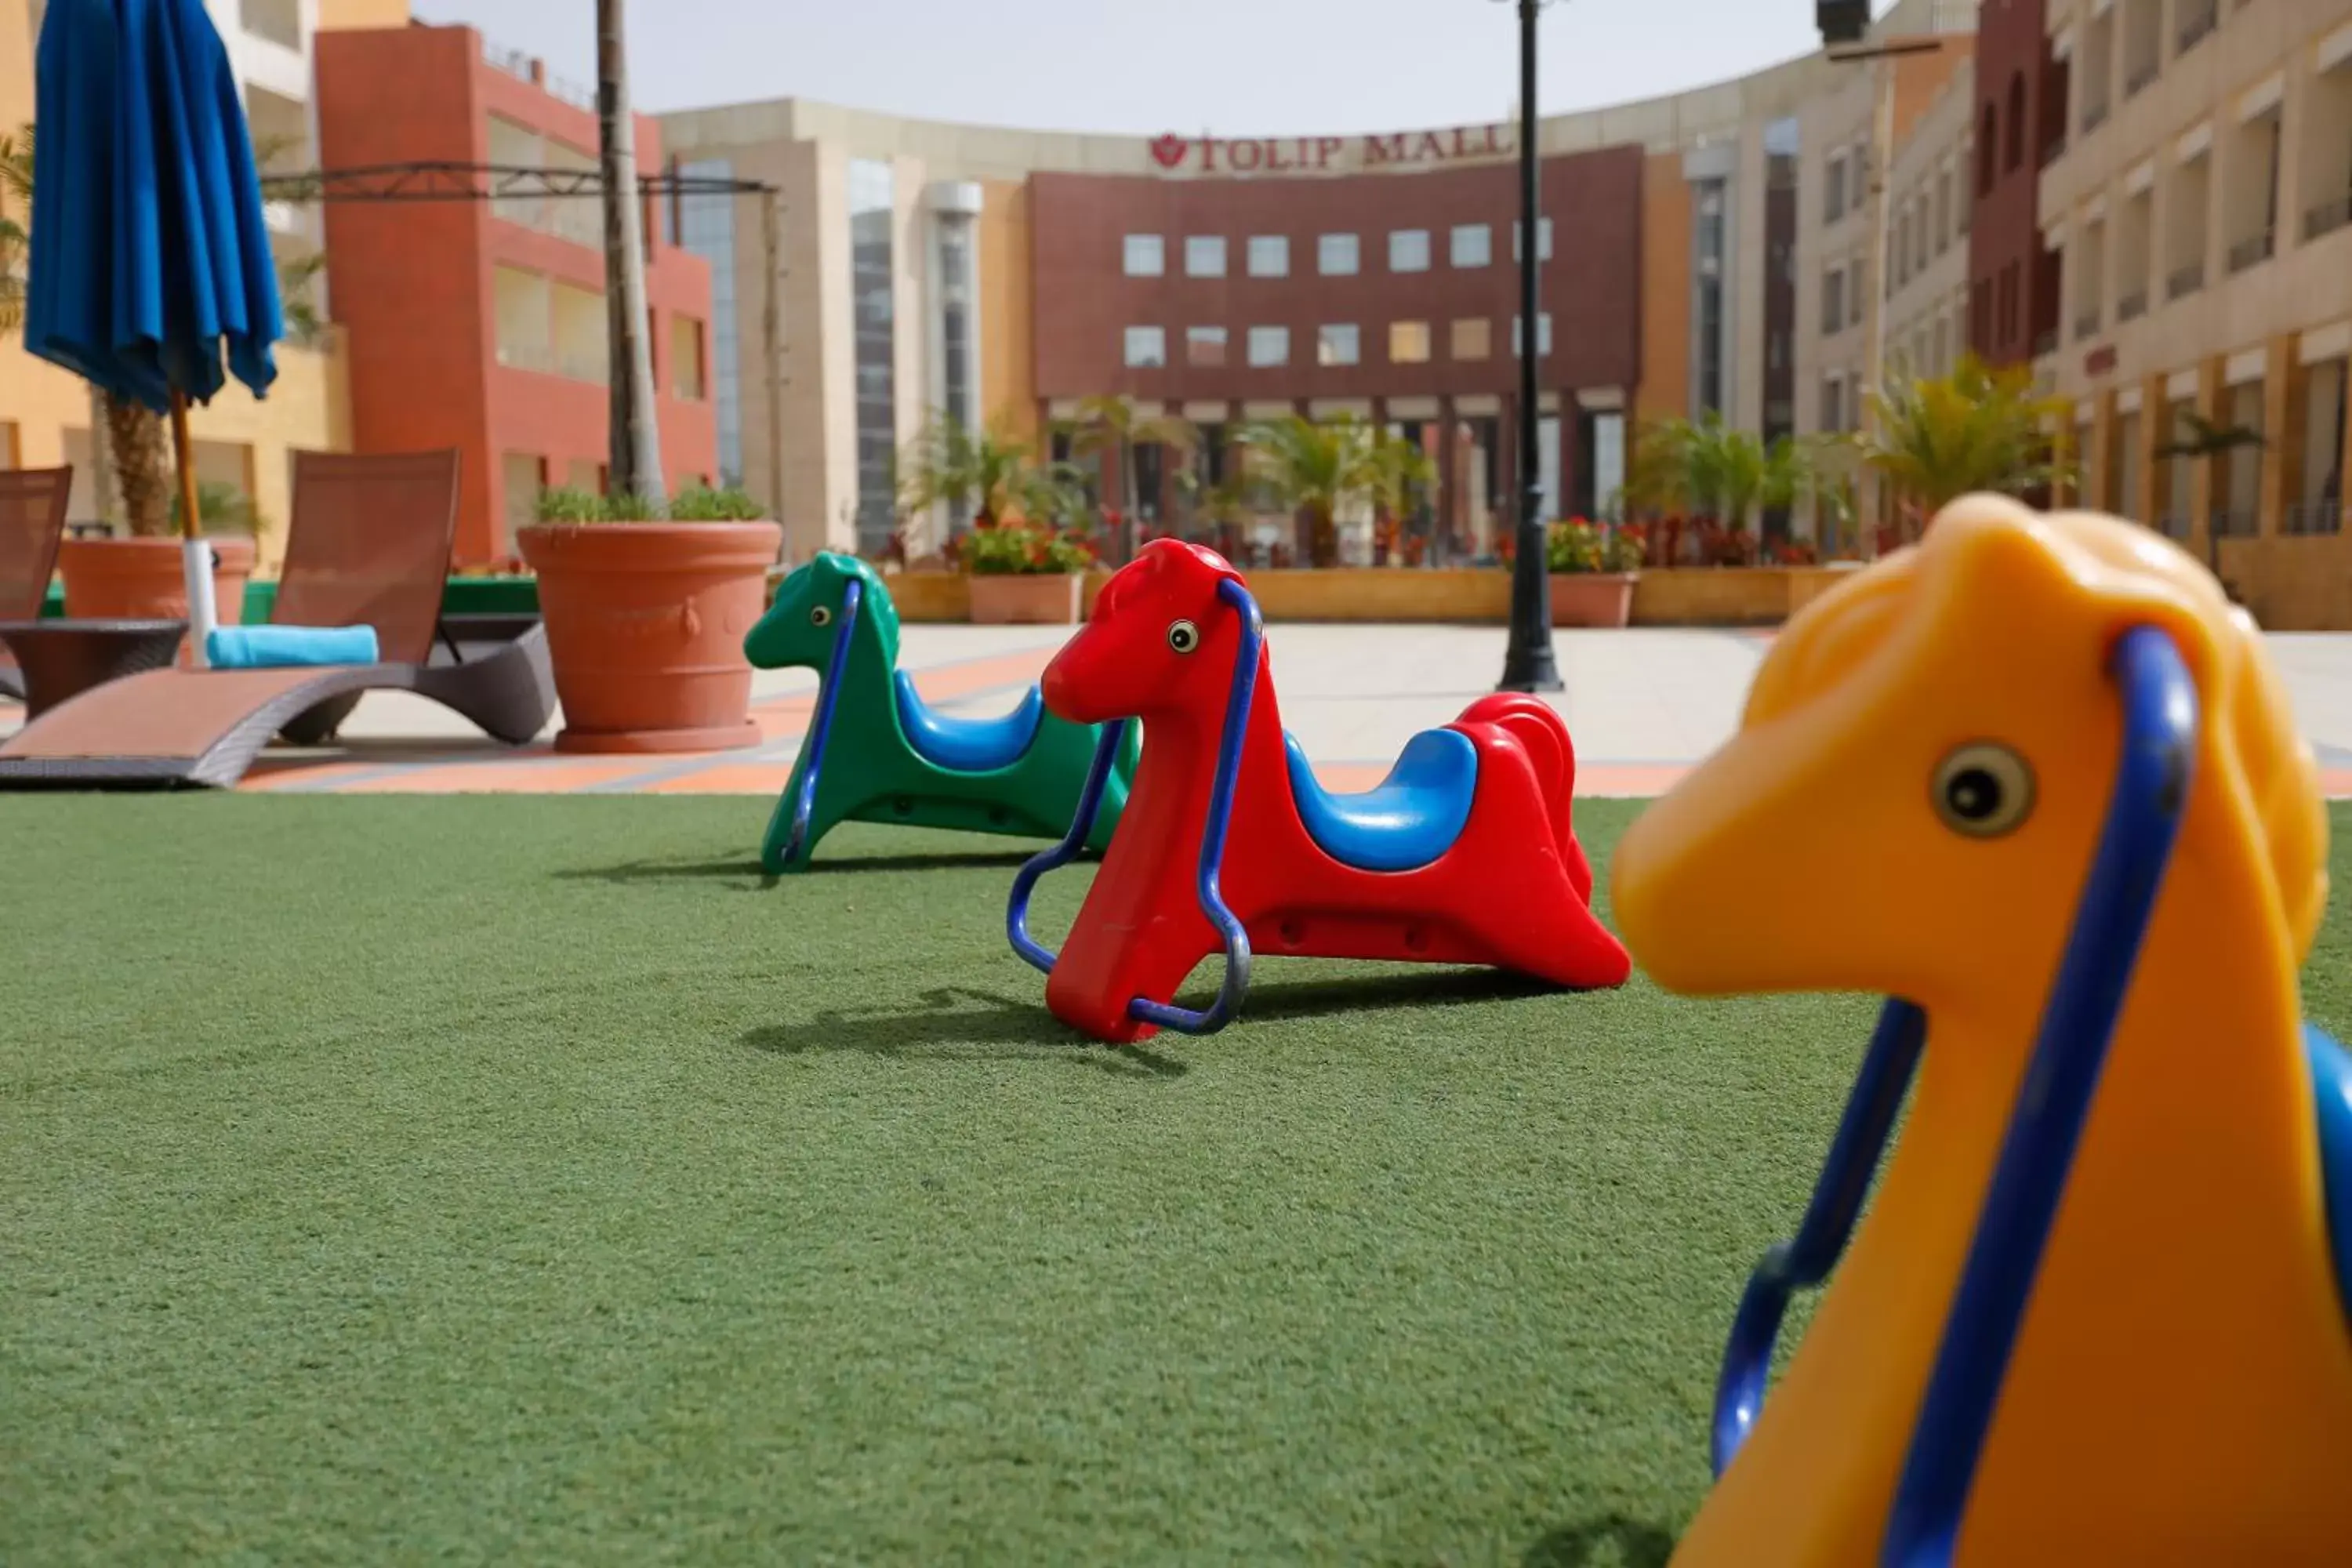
[[1229, 66]]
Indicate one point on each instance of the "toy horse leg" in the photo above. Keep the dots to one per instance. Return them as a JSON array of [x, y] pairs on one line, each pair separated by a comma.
[[829, 812], [1537, 726]]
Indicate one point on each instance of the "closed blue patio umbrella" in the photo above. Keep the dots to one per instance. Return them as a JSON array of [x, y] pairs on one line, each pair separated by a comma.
[[150, 272]]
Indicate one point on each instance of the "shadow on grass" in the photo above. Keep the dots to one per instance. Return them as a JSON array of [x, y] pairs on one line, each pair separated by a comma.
[[706, 870], [1272, 999], [630, 871], [999, 1029], [1003, 1028], [1631, 1544]]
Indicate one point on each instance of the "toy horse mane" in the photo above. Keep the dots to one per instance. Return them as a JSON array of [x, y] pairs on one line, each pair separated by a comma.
[[2253, 758]]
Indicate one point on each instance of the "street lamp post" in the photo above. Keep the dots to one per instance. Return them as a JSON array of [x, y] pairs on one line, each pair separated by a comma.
[[1528, 663]]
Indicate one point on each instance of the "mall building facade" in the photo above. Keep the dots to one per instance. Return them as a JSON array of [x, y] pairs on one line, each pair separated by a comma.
[[919, 267]]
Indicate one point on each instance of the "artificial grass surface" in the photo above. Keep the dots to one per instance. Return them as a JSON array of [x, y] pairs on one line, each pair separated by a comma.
[[520, 1179]]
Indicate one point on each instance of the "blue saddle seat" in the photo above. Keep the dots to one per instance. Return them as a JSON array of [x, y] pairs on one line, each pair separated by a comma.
[[1410, 819], [967, 745], [2331, 1083]]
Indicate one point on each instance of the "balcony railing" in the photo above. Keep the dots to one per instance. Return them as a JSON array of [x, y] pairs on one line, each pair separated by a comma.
[[2139, 77], [2093, 116], [2186, 280], [2198, 18], [2314, 517], [2327, 217], [2131, 307], [2252, 251], [2234, 523], [2086, 325]]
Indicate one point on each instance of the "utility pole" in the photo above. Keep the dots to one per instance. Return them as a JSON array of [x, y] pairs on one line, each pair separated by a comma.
[[635, 443], [1529, 663]]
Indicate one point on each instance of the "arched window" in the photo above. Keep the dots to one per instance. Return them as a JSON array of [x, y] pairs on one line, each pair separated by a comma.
[[2016, 150], [1987, 149]]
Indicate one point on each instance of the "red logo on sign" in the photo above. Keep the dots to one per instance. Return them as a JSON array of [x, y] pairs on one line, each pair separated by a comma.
[[1170, 150]]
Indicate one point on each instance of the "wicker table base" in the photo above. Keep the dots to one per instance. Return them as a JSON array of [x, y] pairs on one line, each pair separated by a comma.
[[61, 659]]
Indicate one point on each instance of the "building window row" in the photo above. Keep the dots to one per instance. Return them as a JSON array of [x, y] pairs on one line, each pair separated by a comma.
[[1468, 339], [1469, 246]]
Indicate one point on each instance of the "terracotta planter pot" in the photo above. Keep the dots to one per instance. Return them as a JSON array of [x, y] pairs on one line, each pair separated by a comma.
[[140, 580], [1591, 598], [646, 624], [1030, 598]]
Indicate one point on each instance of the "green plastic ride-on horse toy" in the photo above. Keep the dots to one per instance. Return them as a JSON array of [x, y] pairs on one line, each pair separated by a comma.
[[875, 752]]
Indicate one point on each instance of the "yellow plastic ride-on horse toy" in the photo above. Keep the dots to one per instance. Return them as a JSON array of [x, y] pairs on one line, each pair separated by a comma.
[[2036, 781]]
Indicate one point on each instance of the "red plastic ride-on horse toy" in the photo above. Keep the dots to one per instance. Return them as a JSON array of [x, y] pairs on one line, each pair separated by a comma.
[[1465, 854]]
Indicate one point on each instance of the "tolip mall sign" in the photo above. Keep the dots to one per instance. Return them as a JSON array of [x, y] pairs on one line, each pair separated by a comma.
[[1333, 154]]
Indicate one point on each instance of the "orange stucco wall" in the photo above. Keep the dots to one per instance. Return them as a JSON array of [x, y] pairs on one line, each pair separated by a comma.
[[1008, 357], [1664, 391], [415, 285]]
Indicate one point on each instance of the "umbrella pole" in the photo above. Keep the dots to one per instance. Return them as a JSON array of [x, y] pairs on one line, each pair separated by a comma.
[[196, 555]]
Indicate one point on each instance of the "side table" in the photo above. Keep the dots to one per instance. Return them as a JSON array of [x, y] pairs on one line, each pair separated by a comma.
[[63, 658]]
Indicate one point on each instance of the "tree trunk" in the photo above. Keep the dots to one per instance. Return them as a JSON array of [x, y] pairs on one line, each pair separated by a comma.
[[135, 437], [635, 440]]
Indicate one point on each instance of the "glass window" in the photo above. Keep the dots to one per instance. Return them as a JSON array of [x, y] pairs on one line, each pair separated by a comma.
[[1269, 346], [1269, 256], [873, 276], [1407, 342], [1338, 345], [1205, 256], [706, 228], [1334, 255], [1146, 347], [1543, 334], [1543, 239], [1147, 256], [1833, 190], [1474, 338], [1204, 347], [1472, 245], [1409, 250]]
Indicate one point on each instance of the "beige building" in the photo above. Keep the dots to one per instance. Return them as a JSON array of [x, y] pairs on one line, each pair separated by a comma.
[[901, 281], [2202, 202], [45, 414]]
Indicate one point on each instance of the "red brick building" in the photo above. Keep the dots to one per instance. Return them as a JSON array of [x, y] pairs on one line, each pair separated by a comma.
[[481, 325], [2021, 125], [1393, 296]]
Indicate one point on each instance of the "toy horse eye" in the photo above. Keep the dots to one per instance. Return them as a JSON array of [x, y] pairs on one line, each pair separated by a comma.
[[821, 616], [1984, 790], [1183, 635]]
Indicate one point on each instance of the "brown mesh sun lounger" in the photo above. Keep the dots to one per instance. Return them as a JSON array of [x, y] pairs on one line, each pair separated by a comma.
[[32, 518], [370, 545]]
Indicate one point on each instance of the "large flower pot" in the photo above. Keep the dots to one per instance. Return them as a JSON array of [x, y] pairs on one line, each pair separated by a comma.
[[1026, 598], [1591, 598], [142, 580], [644, 625]]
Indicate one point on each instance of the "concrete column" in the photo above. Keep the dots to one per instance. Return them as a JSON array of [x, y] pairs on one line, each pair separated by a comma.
[[2286, 385], [1450, 483], [2155, 472], [2102, 487], [2202, 490]]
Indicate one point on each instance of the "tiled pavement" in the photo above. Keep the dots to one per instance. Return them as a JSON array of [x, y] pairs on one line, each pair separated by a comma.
[[1644, 705]]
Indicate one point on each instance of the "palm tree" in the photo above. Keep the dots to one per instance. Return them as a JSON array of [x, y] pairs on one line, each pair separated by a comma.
[[1975, 429], [1315, 469], [2207, 440], [15, 196], [1113, 425], [952, 463]]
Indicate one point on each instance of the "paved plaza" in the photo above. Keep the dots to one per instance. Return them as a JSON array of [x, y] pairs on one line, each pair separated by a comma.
[[1644, 705]]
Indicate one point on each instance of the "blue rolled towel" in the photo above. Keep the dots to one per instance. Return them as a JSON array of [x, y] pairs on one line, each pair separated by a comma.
[[280, 648]]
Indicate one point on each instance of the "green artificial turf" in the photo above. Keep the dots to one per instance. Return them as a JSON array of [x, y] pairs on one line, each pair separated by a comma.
[[524, 1180]]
